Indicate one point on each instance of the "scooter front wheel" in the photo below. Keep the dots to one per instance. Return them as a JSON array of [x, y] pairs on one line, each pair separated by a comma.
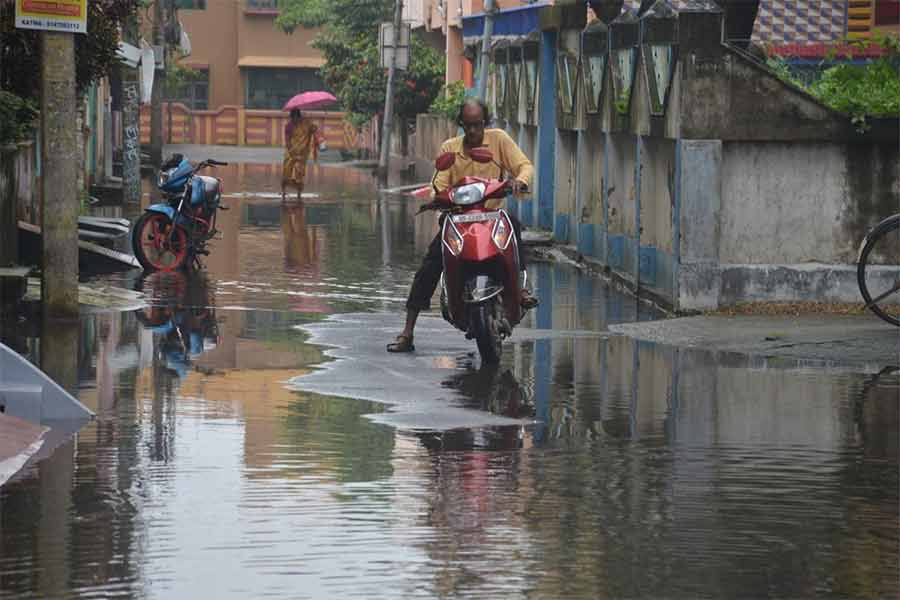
[[484, 327], [159, 244]]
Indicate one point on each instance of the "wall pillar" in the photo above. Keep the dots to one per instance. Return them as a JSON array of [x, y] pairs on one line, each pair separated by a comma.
[[546, 154], [698, 278]]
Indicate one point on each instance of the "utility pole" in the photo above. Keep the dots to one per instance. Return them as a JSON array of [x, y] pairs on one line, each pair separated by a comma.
[[59, 182], [489, 10], [384, 160], [156, 122]]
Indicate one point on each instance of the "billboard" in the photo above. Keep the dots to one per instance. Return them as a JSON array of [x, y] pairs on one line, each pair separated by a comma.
[[53, 15]]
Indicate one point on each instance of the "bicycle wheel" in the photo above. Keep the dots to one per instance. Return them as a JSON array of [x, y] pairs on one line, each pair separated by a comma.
[[878, 270]]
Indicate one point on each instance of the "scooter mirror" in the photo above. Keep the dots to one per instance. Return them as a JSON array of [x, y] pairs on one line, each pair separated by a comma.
[[445, 161], [481, 155]]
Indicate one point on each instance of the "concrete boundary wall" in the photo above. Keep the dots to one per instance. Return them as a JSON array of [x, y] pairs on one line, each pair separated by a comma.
[[236, 126], [698, 176]]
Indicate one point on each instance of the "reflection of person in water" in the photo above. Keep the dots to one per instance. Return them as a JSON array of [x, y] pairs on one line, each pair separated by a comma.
[[479, 479], [492, 390], [300, 241]]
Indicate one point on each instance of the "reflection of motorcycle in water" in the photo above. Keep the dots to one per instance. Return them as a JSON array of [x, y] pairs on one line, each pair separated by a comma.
[[488, 389], [181, 317]]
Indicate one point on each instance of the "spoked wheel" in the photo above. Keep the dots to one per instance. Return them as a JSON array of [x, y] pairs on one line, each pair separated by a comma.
[[878, 270], [485, 328], [156, 245]]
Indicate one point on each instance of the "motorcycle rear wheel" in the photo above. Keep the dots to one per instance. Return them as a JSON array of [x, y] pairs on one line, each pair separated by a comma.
[[156, 245], [484, 327]]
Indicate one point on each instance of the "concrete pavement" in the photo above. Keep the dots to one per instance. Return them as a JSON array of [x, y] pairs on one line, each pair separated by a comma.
[[862, 341]]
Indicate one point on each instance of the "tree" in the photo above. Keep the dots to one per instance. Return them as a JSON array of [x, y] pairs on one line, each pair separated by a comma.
[[349, 43]]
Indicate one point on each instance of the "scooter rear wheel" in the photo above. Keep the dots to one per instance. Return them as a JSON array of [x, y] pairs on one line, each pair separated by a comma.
[[156, 245], [484, 327]]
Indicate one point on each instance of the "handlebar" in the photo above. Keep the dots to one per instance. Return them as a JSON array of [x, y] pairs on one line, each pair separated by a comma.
[[444, 204], [215, 163]]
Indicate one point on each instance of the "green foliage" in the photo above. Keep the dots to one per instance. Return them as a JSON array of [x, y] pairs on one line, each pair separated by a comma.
[[302, 13], [17, 118], [871, 90], [177, 76], [863, 91], [448, 100], [349, 42], [623, 103]]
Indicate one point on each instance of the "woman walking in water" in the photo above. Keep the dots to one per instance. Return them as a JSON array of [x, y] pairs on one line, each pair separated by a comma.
[[299, 140]]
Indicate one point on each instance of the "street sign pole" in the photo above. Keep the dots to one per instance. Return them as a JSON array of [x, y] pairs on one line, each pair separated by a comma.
[[489, 11], [156, 118], [384, 159], [57, 22], [59, 180]]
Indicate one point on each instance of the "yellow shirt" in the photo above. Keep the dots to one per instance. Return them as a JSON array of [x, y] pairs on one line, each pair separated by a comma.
[[505, 152]]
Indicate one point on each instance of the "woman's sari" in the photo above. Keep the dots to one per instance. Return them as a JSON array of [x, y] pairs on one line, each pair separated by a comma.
[[301, 139]]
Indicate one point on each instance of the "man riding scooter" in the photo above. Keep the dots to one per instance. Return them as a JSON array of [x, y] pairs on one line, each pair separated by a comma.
[[473, 118]]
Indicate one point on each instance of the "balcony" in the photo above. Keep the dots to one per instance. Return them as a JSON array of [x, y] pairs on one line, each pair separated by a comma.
[[261, 7]]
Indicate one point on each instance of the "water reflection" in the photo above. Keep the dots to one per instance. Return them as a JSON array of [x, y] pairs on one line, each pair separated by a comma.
[[489, 389], [183, 323], [672, 464], [637, 470]]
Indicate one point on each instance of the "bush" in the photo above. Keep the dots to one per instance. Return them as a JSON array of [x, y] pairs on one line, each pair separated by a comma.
[[871, 90], [17, 118], [448, 100], [863, 91]]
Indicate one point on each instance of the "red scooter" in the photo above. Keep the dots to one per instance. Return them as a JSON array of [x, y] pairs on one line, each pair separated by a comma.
[[480, 286]]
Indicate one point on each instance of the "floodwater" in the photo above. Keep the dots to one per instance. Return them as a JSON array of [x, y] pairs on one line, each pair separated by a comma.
[[253, 440]]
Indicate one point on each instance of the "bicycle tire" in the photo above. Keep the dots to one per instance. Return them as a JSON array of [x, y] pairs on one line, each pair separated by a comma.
[[886, 227]]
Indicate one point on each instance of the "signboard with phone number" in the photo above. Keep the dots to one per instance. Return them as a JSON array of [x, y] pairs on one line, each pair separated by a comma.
[[69, 16]]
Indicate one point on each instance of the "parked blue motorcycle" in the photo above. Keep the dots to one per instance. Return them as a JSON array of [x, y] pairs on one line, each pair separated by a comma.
[[173, 234]]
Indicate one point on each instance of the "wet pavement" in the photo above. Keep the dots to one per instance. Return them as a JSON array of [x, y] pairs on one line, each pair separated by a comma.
[[253, 439]]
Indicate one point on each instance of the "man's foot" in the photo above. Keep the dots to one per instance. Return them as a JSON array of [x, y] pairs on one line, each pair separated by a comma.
[[402, 343], [528, 301]]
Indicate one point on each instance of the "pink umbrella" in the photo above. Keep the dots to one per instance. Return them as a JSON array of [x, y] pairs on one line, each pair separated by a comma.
[[309, 101]]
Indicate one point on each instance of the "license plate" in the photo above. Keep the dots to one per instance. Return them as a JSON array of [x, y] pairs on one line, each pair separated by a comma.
[[491, 216]]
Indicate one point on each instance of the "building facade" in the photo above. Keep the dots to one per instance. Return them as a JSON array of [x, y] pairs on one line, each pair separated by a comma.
[[243, 58]]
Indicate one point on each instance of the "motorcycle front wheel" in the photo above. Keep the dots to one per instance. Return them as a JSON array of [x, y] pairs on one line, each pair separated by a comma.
[[484, 327], [156, 245]]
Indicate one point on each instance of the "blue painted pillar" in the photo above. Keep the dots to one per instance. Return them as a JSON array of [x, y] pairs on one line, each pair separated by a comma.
[[604, 202], [676, 224], [637, 212], [543, 355], [547, 130]]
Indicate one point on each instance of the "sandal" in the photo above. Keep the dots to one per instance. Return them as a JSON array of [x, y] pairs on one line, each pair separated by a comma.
[[402, 343]]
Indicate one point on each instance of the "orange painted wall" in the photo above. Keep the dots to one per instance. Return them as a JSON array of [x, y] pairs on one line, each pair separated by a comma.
[[225, 32]]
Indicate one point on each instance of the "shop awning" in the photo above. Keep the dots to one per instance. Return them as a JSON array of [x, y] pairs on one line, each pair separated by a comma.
[[512, 24], [281, 62]]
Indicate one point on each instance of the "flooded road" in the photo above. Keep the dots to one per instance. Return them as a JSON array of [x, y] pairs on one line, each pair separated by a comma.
[[253, 439]]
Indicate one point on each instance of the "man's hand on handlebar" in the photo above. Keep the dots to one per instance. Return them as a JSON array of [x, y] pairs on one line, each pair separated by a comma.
[[433, 205], [517, 187]]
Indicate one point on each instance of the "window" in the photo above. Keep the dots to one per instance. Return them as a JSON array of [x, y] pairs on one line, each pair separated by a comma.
[[195, 93], [270, 89], [887, 12], [262, 5], [190, 4]]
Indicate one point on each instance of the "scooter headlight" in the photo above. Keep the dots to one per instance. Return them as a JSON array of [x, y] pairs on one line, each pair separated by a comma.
[[502, 231], [452, 239], [468, 194]]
